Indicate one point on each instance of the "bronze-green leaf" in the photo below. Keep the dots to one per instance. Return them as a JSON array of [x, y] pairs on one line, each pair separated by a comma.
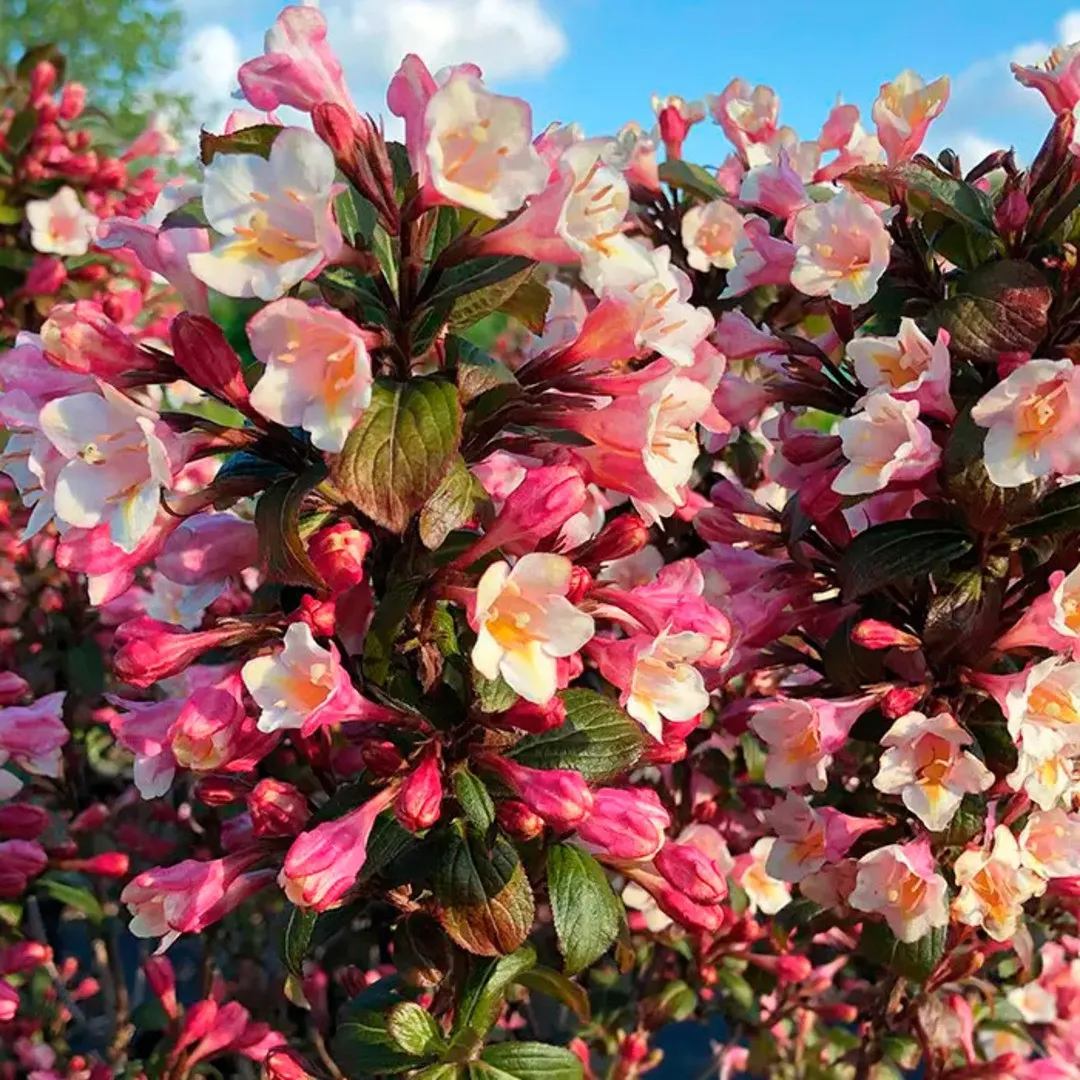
[[256, 140], [451, 505], [277, 517], [400, 449]]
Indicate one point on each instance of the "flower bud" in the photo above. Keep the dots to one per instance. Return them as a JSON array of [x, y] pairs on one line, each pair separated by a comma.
[[92, 819], [535, 719], [875, 634], [9, 1006], [338, 552], [23, 956], [72, 101], [688, 869], [20, 862], [626, 824], [284, 1064], [560, 796], [382, 757], [206, 358], [81, 337], [581, 581], [1011, 213], [162, 979], [320, 615], [420, 799], [13, 688], [518, 820], [786, 968], [208, 547], [45, 277], [277, 808], [220, 790], [108, 864], [901, 700], [22, 821], [622, 536], [42, 79]]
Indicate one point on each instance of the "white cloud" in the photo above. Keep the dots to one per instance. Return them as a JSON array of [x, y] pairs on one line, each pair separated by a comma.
[[507, 38], [208, 63]]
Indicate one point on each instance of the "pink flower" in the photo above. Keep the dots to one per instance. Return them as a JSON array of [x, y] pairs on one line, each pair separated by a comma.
[[764, 892], [625, 824], [299, 69], [318, 369], [60, 225], [1050, 844], [904, 109], [277, 808], [323, 863], [994, 886], [469, 147], [924, 764], [692, 871], [1051, 620], [760, 259], [208, 547], [747, 114], [560, 796], [1032, 418], [900, 883], [31, 735], [808, 839], [774, 187], [1057, 78], [710, 233], [143, 729], [803, 734], [186, 898], [80, 337], [842, 249], [338, 552], [675, 117], [9, 1001]]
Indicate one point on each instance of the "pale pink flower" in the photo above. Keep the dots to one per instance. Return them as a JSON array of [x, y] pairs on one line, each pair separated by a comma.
[[903, 111], [747, 114], [764, 892], [883, 444], [318, 369], [925, 764], [807, 838], [1041, 705], [1051, 620], [275, 216], [899, 882], [907, 366], [994, 886], [1047, 780], [1032, 416], [710, 233], [842, 249], [525, 624], [774, 187], [60, 225], [1050, 844], [1057, 78], [1034, 1002], [142, 728], [760, 259], [31, 736]]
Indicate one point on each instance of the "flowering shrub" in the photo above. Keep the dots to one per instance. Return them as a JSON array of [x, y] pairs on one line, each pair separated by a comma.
[[710, 651]]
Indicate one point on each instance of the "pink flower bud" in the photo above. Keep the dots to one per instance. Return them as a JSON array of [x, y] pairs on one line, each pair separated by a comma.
[[1011, 214], [382, 757], [284, 1064], [221, 790], [277, 808], [72, 101], [20, 862], [560, 796], [786, 968], [626, 824], [688, 869], [13, 688], [581, 581], [203, 354], [875, 634], [319, 615], [92, 819], [901, 700], [622, 536], [518, 820], [525, 716], [338, 552], [322, 864], [162, 979], [107, 864], [23, 956], [9, 1004], [45, 277], [419, 801], [22, 821], [81, 337], [42, 79]]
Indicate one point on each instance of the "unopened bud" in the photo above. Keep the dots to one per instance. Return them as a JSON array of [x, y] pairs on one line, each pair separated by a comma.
[[419, 801], [688, 869], [220, 790], [204, 355], [622, 536], [277, 808], [518, 821], [338, 552], [875, 634]]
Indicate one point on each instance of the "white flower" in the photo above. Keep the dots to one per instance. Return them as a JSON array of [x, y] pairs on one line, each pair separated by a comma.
[[60, 225], [710, 233], [664, 684]]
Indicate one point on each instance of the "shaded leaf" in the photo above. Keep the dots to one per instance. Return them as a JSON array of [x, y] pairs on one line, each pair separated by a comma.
[[298, 934], [484, 992], [472, 276], [915, 961], [452, 504], [475, 370], [529, 304], [257, 139], [46, 53], [78, 897], [692, 179], [277, 516], [1059, 512], [493, 695], [400, 449], [21, 130], [473, 795], [587, 913], [554, 984]]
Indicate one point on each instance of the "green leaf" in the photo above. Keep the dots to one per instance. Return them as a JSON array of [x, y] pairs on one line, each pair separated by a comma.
[[382, 245], [73, 896], [597, 739], [473, 795], [529, 304], [588, 915], [20, 131], [734, 986], [675, 1002], [452, 504], [414, 1029], [962, 618], [1001, 307], [388, 839], [355, 293], [422, 952], [38, 54], [897, 550], [545, 980], [468, 310], [484, 992], [692, 179], [10, 215], [485, 902], [298, 934], [189, 216], [967, 823], [257, 140], [472, 276], [1059, 512], [277, 517], [400, 449], [926, 185], [356, 217], [915, 961], [363, 1045], [402, 585], [476, 371], [530, 1061], [493, 695]]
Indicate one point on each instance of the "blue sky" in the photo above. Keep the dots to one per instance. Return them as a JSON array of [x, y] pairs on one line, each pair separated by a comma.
[[598, 61]]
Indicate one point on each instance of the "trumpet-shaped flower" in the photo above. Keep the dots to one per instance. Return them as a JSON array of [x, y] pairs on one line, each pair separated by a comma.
[[275, 216], [748, 114], [1057, 78], [842, 249], [899, 882], [525, 624], [60, 225], [886, 442], [765, 893], [1050, 844], [318, 370], [1041, 705], [710, 233], [1047, 780], [808, 839], [760, 259], [31, 735], [1032, 416], [119, 458], [994, 886], [903, 111], [925, 764]]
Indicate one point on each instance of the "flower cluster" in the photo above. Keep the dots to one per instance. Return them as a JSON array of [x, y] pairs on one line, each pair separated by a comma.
[[718, 624]]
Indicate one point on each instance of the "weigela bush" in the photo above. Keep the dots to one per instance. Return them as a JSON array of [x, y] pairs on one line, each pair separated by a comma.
[[706, 647]]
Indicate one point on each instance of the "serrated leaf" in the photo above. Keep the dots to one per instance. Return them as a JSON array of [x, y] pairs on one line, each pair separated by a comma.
[[914, 961], [400, 449], [597, 739], [472, 276], [356, 217], [475, 800], [587, 913], [277, 517], [363, 1046], [414, 1030], [475, 370], [554, 984], [357, 294], [529, 1061], [468, 310], [484, 992], [257, 140], [493, 695], [896, 550], [452, 504], [529, 304], [485, 902], [691, 178]]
